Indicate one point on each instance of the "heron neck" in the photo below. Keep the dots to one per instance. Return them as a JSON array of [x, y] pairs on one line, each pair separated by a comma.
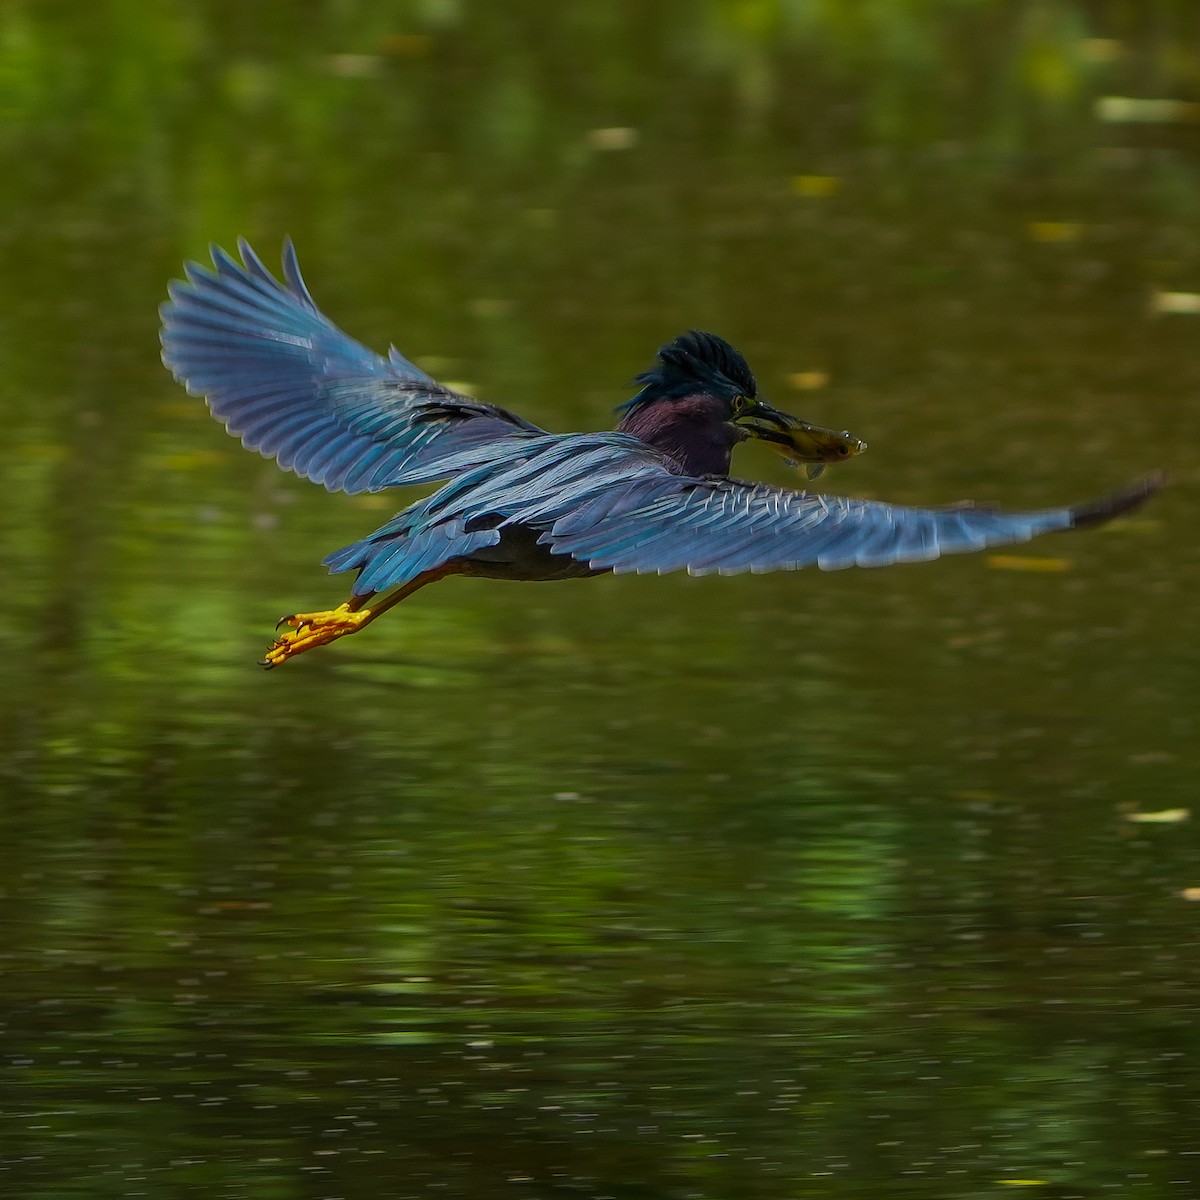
[[691, 442]]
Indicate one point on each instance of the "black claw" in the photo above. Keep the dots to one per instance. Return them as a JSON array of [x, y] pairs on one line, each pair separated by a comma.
[[285, 620]]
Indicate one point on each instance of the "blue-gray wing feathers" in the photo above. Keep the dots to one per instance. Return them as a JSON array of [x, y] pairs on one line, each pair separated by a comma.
[[291, 385], [727, 527]]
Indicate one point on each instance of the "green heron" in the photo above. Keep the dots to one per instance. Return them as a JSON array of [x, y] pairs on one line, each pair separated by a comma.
[[516, 502]]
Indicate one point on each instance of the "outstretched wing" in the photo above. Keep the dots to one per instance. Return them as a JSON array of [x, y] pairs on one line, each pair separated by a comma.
[[609, 501], [290, 384], [727, 526]]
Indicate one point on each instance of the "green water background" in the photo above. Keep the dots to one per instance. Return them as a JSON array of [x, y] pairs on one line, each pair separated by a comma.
[[724, 889]]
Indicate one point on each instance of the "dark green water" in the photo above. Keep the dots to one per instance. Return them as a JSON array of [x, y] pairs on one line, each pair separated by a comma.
[[722, 889]]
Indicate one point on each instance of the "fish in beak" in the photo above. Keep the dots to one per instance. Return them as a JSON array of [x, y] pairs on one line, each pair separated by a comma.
[[803, 445]]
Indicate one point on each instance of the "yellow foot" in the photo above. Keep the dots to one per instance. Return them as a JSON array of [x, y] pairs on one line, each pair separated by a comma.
[[309, 630]]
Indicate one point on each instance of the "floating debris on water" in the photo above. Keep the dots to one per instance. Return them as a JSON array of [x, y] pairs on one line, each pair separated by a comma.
[[808, 381], [1177, 303], [1162, 816], [1135, 110], [815, 186], [1027, 562], [618, 137]]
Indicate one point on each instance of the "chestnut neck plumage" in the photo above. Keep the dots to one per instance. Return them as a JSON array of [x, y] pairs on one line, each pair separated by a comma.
[[693, 433]]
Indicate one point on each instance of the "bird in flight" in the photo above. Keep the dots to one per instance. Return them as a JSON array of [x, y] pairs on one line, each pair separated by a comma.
[[516, 502]]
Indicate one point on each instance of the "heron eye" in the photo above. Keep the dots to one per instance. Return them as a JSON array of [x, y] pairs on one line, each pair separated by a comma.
[[739, 403]]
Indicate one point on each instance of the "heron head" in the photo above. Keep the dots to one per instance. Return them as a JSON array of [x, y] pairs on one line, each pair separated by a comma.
[[701, 378], [696, 364]]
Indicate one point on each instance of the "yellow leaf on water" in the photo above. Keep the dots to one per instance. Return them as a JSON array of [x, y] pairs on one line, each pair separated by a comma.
[[1140, 110], [1190, 893], [1177, 303], [1163, 816], [1027, 562], [619, 137], [808, 381], [1023, 1182], [815, 186]]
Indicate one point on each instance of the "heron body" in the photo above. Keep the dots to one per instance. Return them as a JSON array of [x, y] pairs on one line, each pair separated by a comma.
[[516, 502]]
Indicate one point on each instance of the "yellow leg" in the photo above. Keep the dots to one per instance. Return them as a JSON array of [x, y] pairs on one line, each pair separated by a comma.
[[310, 630]]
